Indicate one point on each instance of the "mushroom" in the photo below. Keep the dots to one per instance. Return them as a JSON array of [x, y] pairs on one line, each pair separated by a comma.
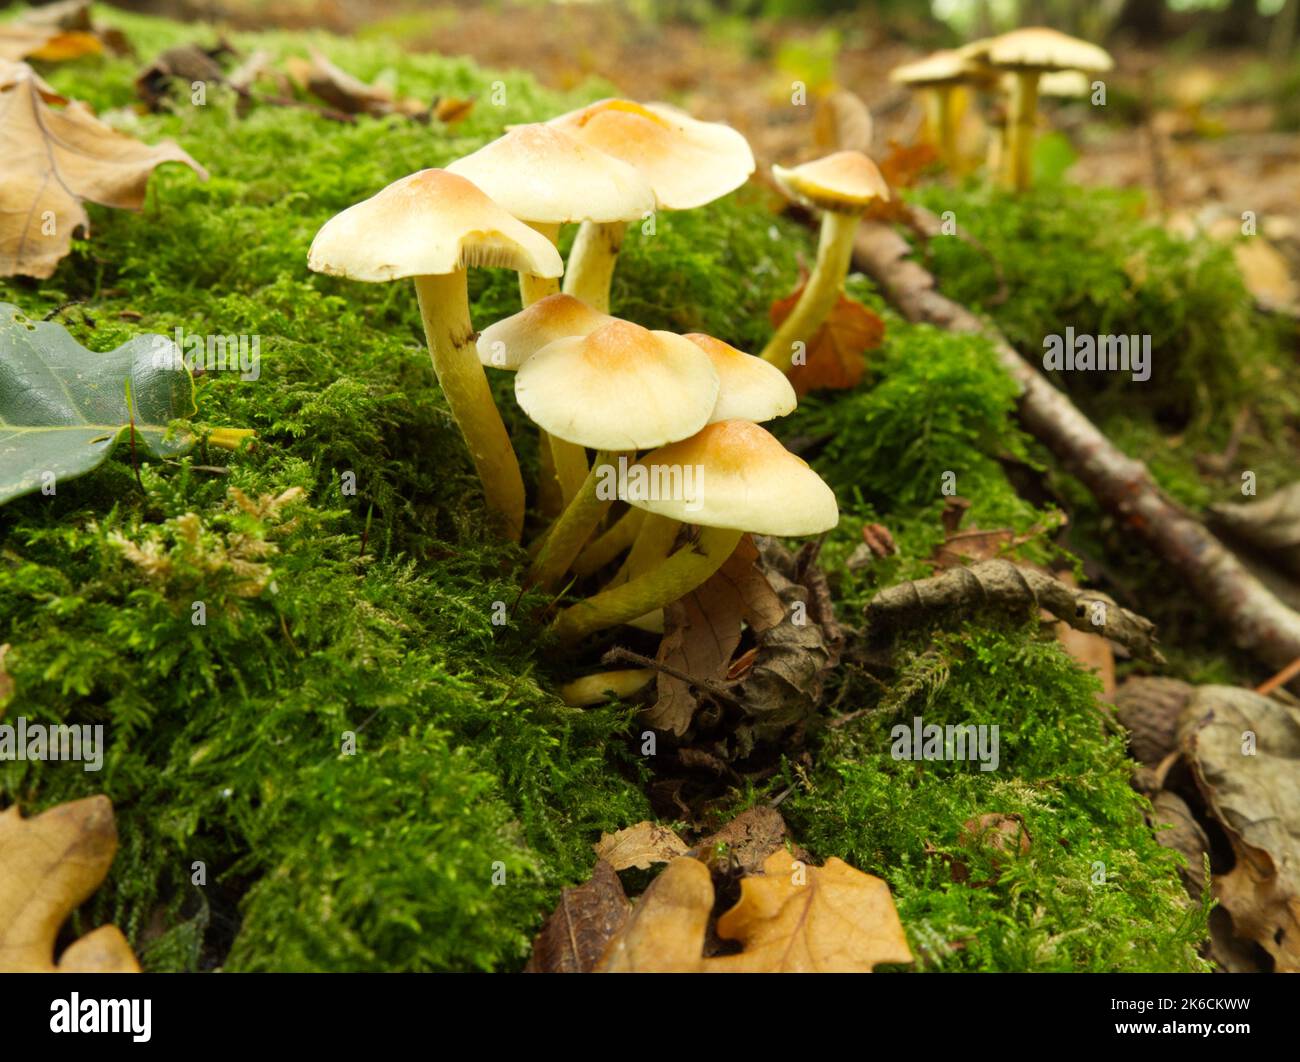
[[1028, 54], [842, 185], [687, 162], [939, 77], [620, 389], [546, 179], [513, 340], [749, 389], [750, 483], [432, 226]]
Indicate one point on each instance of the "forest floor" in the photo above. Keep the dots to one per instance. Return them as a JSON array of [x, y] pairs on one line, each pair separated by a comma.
[[372, 613]]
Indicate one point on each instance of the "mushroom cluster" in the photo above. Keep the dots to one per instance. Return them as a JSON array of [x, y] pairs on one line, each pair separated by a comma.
[[1023, 65], [681, 468]]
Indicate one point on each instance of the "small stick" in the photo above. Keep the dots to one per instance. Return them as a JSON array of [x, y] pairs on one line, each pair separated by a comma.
[[1280, 679]]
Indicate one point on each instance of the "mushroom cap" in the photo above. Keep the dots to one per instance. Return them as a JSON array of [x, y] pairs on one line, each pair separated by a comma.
[[1039, 48], [751, 388], [749, 482], [622, 387], [510, 342], [845, 182], [427, 224], [945, 67], [687, 162], [540, 174]]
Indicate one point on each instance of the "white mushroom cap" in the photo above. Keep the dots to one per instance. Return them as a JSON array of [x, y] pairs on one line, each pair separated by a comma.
[[845, 182], [428, 224], [542, 175], [941, 68], [620, 388], [743, 479], [687, 162], [1039, 48], [751, 388], [510, 342]]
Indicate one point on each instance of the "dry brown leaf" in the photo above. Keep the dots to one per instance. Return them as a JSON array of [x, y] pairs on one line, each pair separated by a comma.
[[1270, 525], [639, 846], [1255, 796], [575, 937], [834, 358], [794, 918], [55, 158], [50, 865], [451, 109], [746, 841], [901, 168], [702, 632], [666, 931], [351, 95], [57, 32]]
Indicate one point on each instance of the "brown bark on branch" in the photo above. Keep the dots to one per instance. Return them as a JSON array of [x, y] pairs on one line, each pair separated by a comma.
[[999, 585], [1256, 620]]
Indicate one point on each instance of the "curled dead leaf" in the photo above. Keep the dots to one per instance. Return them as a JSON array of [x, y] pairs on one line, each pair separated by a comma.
[[49, 865]]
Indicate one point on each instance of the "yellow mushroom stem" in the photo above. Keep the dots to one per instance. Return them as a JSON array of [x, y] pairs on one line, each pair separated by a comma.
[[820, 293], [444, 308], [609, 545], [570, 463], [567, 536], [591, 262], [596, 689], [551, 497], [678, 575], [941, 114], [533, 288], [653, 543], [1024, 116]]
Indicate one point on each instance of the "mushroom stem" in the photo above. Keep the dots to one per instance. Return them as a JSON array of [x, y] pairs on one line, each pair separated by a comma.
[[653, 543], [533, 288], [444, 308], [598, 688], [552, 495], [570, 463], [1024, 114], [820, 292], [678, 575], [940, 118], [611, 543], [570, 532], [591, 262]]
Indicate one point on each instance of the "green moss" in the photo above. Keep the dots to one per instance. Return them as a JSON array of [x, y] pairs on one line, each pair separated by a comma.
[[1065, 256], [226, 740], [1095, 892]]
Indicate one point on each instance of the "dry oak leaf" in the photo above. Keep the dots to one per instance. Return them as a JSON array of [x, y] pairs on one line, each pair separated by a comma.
[[1245, 755], [639, 846], [834, 358], [575, 936], [702, 632], [55, 158], [49, 865], [791, 918]]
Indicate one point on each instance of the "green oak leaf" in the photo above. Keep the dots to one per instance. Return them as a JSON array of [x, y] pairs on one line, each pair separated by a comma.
[[63, 407]]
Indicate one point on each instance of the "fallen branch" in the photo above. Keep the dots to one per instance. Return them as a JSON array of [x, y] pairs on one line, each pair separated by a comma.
[[999, 585], [1256, 620]]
